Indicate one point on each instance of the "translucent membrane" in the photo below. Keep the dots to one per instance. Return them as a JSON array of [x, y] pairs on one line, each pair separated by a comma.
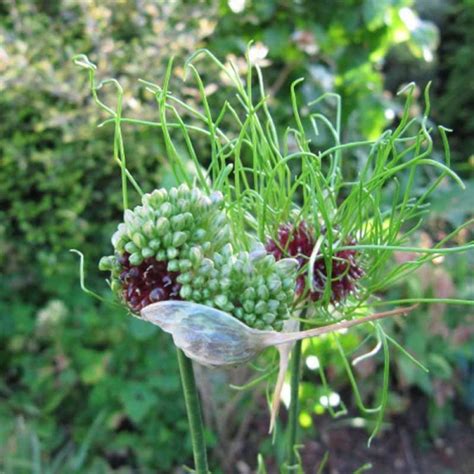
[[217, 339], [207, 335]]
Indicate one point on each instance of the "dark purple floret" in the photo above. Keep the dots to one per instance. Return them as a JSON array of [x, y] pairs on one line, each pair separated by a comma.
[[147, 283], [298, 242]]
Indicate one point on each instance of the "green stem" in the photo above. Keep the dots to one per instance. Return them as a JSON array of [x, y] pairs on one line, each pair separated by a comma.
[[193, 409], [294, 405]]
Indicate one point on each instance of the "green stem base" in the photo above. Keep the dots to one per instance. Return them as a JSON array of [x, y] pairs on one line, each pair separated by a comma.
[[294, 404], [193, 409]]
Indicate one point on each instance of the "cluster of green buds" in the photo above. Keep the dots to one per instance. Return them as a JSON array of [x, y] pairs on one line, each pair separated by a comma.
[[174, 226], [253, 287], [177, 245]]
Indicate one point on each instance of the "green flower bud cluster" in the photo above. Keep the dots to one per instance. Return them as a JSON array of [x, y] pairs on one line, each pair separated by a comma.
[[177, 229], [177, 245], [253, 287], [177, 226]]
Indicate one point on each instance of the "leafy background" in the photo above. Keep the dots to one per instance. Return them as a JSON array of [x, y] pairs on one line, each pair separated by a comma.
[[84, 389]]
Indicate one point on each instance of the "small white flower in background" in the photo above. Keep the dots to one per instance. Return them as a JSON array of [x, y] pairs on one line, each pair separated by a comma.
[[237, 6], [389, 114], [237, 66], [206, 27], [306, 41], [257, 54], [50, 317], [332, 400], [312, 362]]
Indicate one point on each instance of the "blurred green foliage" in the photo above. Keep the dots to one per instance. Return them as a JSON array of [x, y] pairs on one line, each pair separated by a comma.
[[75, 379], [456, 90], [338, 47], [83, 388], [66, 360]]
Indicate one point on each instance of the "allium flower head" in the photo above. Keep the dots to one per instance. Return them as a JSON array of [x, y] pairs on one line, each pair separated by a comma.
[[298, 242], [169, 233], [177, 245]]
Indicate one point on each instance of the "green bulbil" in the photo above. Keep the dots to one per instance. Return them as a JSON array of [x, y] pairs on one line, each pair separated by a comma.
[[185, 278], [259, 324], [186, 292], [263, 292], [178, 222], [115, 286], [179, 239], [154, 244], [213, 284], [278, 325], [188, 219], [273, 305], [274, 285], [155, 198], [248, 306], [166, 209], [136, 259], [147, 252], [221, 301], [130, 247], [106, 264], [195, 255], [250, 294], [269, 318], [162, 226], [173, 194], [198, 282], [286, 266], [148, 228], [167, 240], [250, 319], [207, 246], [261, 307], [183, 204], [199, 235], [173, 265], [172, 253], [161, 256]]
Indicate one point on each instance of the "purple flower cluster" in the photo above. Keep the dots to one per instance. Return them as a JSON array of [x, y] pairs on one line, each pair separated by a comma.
[[298, 242], [147, 283]]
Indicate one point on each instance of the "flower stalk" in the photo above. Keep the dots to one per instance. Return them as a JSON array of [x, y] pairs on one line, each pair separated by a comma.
[[294, 404], [193, 409]]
